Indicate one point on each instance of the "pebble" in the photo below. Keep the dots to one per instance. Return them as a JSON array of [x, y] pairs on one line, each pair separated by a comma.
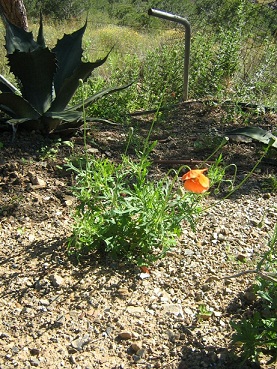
[[56, 280], [125, 335], [34, 362], [79, 343], [34, 351], [44, 302], [174, 309], [135, 347]]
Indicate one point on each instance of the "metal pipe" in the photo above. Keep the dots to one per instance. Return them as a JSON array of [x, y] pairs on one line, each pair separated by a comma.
[[186, 24]]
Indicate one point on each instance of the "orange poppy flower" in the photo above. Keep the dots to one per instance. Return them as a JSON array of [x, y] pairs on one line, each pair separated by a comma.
[[195, 181]]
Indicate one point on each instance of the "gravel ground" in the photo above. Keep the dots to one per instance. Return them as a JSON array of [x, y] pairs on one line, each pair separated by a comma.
[[105, 313]]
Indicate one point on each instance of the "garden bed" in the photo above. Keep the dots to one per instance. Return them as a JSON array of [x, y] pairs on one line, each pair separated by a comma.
[[104, 313]]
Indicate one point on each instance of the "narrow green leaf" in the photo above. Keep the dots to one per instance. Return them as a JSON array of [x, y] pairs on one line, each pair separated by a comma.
[[99, 95], [35, 70], [17, 107]]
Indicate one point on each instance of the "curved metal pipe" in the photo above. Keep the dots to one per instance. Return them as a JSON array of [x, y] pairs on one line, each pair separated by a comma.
[[186, 24]]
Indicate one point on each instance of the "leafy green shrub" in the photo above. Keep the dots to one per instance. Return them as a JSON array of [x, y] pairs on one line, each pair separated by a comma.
[[60, 9], [124, 213], [258, 334], [48, 80]]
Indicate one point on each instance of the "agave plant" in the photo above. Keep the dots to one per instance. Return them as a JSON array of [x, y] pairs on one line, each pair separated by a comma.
[[47, 80]]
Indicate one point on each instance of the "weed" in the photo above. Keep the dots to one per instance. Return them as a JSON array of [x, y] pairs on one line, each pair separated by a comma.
[[258, 334], [47, 152], [269, 183], [204, 312], [124, 213]]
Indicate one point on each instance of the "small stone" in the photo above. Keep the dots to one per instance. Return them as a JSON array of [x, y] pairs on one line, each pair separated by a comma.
[[34, 351], [242, 258], [175, 309], [227, 291], [34, 362], [123, 292], [125, 335], [144, 275], [35, 180], [15, 350], [136, 358], [221, 237], [217, 313], [79, 343], [135, 347], [188, 311], [135, 310], [56, 280], [206, 287], [250, 296], [109, 331], [44, 302]]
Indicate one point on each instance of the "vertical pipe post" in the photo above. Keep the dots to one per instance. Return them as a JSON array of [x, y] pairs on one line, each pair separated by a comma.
[[186, 24]]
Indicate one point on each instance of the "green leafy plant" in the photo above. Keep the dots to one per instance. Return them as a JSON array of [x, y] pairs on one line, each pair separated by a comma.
[[50, 152], [204, 313], [48, 80], [124, 213], [270, 183], [258, 334]]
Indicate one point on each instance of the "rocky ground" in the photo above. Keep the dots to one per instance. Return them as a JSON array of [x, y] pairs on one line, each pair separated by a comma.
[[104, 313]]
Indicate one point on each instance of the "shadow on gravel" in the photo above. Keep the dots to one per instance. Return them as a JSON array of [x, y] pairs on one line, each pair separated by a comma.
[[212, 357]]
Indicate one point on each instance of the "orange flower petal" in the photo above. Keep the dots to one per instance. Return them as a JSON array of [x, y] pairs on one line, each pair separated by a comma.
[[204, 181], [193, 185], [194, 173]]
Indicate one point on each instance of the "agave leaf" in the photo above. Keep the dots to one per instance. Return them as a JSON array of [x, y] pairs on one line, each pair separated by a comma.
[[70, 85], [97, 96], [67, 116], [16, 121], [7, 86], [256, 133], [40, 38], [17, 107], [35, 70], [68, 52], [18, 39]]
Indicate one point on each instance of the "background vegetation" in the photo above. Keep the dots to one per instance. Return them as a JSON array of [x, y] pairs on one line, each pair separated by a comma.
[[233, 51]]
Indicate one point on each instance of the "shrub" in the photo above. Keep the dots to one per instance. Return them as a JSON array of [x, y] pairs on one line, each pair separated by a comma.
[[123, 212]]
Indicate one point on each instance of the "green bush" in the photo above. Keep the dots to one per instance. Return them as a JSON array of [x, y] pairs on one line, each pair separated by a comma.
[[124, 213]]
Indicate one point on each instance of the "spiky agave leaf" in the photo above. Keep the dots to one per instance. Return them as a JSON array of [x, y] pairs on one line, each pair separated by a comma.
[[71, 68], [40, 38], [17, 107], [256, 133], [48, 79], [68, 52], [70, 85], [35, 70], [18, 39], [7, 86]]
